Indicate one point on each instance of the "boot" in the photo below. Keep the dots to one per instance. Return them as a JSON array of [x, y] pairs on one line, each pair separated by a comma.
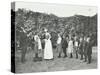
[[71, 56], [59, 56]]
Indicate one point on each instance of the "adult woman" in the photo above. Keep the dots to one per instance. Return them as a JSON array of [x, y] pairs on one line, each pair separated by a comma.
[[48, 52]]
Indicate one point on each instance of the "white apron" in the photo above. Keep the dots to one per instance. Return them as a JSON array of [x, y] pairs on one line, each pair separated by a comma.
[[70, 47], [48, 52], [36, 38]]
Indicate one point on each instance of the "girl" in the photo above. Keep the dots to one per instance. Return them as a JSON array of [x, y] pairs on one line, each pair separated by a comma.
[[70, 47], [59, 48], [37, 43], [76, 45]]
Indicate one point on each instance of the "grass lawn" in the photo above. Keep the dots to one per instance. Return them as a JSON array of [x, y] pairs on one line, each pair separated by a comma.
[[58, 64]]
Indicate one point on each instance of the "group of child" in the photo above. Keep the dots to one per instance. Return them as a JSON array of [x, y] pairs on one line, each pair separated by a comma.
[[69, 45], [79, 45]]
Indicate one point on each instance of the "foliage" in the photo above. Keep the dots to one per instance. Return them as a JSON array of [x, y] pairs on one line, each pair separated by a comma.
[[35, 21]]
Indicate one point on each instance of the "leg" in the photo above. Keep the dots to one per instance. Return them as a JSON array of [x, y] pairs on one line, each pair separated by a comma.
[[76, 53], [85, 57], [81, 55], [23, 55], [89, 59], [71, 56], [59, 51], [59, 55], [64, 51], [36, 55], [36, 51]]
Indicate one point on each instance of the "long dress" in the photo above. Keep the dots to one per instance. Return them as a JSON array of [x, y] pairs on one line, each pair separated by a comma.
[[37, 43], [70, 46], [59, 44], [48, 52]]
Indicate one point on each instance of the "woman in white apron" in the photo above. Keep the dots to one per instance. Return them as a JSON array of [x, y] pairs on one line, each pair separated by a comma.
[[48, 52]]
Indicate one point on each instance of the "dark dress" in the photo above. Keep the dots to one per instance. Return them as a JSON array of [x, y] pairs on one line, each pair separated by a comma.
[[42, 40], [89, 51], [89, 48], [85, 45], [64, 46], [81, 49], [23, 44]]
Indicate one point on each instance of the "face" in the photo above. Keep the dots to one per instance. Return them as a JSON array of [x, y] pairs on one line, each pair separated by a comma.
[[81, 39], [66, 38], [58, 35], [88, 39], [85, 38]]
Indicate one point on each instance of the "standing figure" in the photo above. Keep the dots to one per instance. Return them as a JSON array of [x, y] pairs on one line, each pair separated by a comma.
[[42, 40], [70, 47], [89, 49], [23, 44], [37, 43], [81, 48], [59, 46], [76, 45], [64, 46], [85, 48], [48, 51]]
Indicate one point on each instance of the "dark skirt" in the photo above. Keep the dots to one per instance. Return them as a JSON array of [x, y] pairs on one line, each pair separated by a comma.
[[43, 44]]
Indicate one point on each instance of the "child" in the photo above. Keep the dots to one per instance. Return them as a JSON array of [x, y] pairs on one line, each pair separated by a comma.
[[89, 49], [59, 48], [70, 47], [64, 46], [76, 45], [37, 43], [81, 47]]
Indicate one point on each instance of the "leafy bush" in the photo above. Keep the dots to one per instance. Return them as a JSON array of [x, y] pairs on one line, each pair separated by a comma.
[[32, 21]]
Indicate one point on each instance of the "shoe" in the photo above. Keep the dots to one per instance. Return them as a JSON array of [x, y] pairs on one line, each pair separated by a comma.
[[59, 56], [88, 62], [65, 56], [81, 59], [52, 59], [71, 57], [76, 57], [84, 61]]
